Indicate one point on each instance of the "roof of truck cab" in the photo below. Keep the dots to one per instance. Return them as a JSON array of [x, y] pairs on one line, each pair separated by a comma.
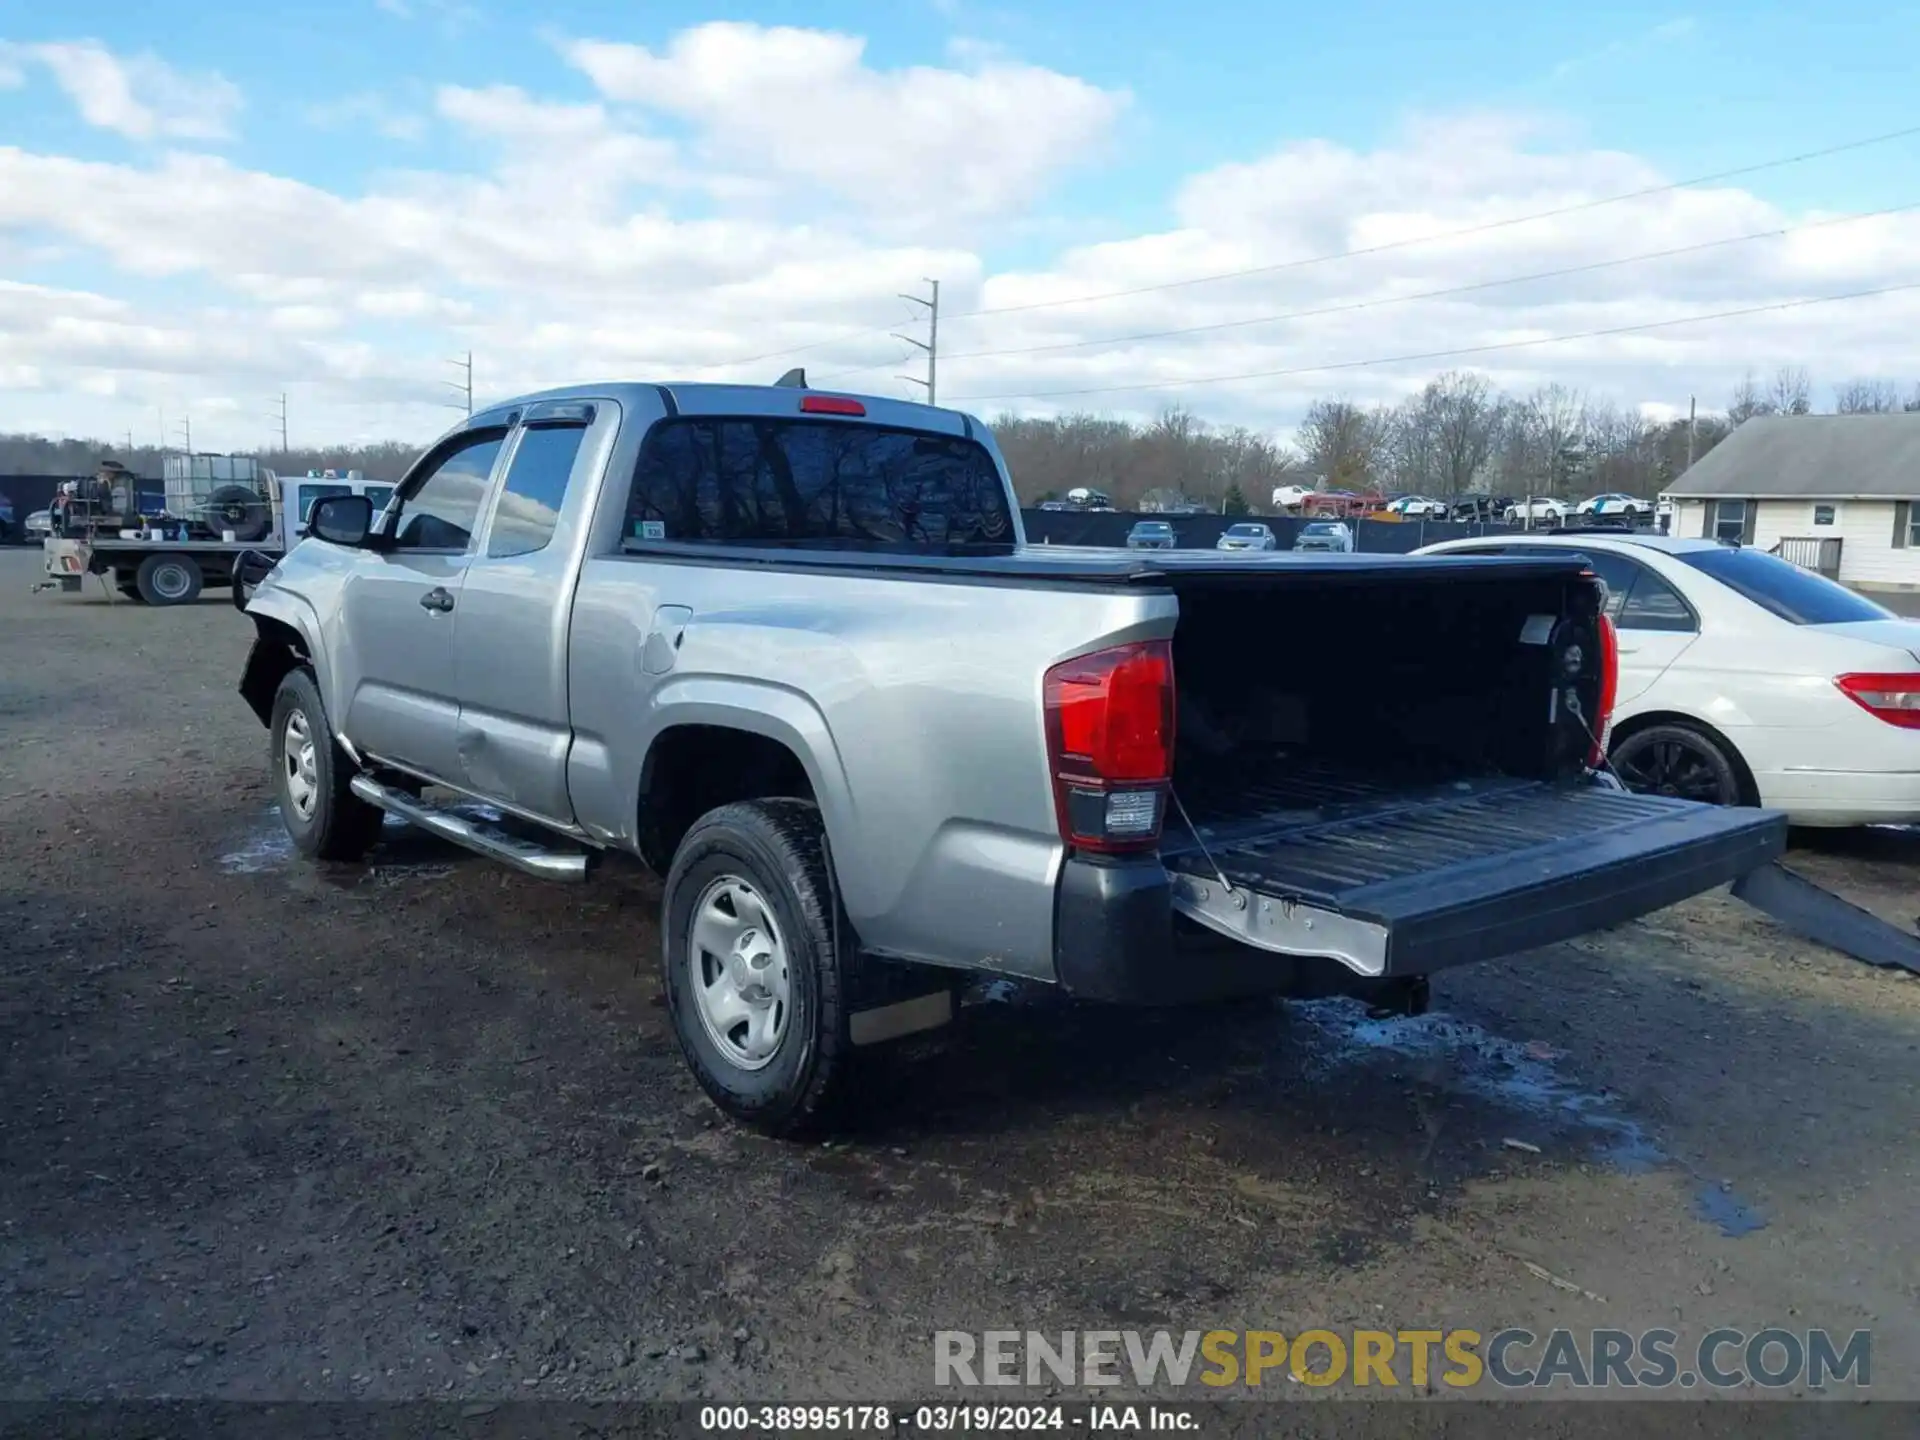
[[706, 397]]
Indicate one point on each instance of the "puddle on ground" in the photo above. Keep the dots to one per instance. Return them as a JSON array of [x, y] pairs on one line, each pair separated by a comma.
[[1721, 1208], [404, 851], [1521, 1075]]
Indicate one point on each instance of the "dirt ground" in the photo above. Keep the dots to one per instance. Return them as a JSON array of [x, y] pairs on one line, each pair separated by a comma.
[[418, 1128]]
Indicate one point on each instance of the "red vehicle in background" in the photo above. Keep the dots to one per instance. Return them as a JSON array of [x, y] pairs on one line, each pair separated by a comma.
[[1342, 504]]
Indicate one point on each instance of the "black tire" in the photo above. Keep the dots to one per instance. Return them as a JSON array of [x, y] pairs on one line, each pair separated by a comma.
[[244, 511], [1680, 761], [337, 824], [775, 848], [169, 579]]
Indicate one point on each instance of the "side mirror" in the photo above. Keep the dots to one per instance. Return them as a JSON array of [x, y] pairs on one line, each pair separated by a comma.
[[341, 519]]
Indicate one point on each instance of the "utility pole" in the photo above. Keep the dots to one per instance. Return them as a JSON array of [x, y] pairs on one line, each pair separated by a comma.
[[932, 345], [464, 385], [1691, 417], [282, 417], [186, 435]]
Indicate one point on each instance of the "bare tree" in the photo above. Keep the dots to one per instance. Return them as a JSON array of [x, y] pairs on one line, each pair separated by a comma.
[[1748, 401], [1791, 392], [1338, 441], [1536, 435], [1465, 412], [1866, 397]]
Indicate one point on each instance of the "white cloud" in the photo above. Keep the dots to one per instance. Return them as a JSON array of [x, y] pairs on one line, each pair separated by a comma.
[[583, 243], [138, 96], [802, 106]]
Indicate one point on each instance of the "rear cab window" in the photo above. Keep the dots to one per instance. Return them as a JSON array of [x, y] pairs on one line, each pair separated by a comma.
[[774, 481], [1797, 596]]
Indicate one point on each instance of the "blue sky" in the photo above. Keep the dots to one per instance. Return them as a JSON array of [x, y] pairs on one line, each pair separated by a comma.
[[1162, 140]]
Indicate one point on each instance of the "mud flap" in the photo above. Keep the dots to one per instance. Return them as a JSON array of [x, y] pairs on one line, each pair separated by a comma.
[[1823, 917]]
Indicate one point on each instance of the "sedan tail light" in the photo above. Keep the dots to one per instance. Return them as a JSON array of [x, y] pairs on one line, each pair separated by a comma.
[[1893, 698], [1609, 690], [1110, 745]]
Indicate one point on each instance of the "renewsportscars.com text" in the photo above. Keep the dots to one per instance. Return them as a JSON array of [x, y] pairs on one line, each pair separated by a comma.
[[1512, 1359]]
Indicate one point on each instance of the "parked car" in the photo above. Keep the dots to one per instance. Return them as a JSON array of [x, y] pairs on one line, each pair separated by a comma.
[[1614, 503], [1536, 510], [1247, 535], [1055, 505], [39, 525], [9, 530], [875, 744], [1289, 497], [1150, 535], [1747, 680], [1324, 535], [1481, 509], [1417, 507]]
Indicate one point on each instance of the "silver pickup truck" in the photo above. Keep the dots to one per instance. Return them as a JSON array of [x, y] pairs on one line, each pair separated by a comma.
[[790, 650]]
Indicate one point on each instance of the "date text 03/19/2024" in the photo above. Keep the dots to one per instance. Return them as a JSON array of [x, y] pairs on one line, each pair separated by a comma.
[[947, 1419]]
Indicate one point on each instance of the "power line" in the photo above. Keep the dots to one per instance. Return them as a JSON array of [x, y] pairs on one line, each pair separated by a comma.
[[1449, 354], [1387, 246], [1465, 289]]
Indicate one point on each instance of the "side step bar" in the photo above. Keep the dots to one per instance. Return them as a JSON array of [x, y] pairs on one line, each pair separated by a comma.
[[523, 855]]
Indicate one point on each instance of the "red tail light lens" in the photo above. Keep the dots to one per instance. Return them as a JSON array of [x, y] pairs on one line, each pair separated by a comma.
[[1110, 745], [830, 405], [1892, 698], [1609, 690]]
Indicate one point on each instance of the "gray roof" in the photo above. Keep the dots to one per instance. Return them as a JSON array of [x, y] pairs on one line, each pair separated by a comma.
[[1812, 457]]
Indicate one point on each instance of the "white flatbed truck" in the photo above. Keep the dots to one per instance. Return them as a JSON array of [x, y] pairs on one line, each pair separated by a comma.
[[169, 562]]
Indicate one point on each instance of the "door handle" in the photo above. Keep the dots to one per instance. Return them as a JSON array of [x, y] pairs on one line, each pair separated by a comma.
[[438, 600]]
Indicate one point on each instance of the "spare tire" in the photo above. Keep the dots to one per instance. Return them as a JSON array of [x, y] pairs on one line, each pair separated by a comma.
[[239, 509]]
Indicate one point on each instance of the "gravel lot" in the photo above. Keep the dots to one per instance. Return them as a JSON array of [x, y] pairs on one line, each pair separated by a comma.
[[269, 1130]]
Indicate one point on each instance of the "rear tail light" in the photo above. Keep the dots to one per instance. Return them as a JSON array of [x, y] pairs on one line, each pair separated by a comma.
[[1110, 745], [1609, 690], [830, 405], [1892, 698]]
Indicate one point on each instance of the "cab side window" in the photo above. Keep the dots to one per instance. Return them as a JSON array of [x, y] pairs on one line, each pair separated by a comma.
[[440, 509], [528, 510]]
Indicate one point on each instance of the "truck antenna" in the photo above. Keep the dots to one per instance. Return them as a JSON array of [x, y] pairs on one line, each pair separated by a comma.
[[794, 379]]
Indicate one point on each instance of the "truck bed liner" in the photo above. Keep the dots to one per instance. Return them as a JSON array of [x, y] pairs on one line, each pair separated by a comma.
[[1415, 880]]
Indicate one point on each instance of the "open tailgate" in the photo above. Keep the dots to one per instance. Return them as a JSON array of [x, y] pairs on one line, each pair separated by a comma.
[[1461, 873]]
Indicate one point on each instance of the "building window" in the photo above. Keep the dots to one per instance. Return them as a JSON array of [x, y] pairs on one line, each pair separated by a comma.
[[1823, 514], [1730, 520], [1906, 525]]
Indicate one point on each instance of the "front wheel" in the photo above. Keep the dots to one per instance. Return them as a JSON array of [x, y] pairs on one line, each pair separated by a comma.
[[756, 984], [311, 778], [1678, 761]]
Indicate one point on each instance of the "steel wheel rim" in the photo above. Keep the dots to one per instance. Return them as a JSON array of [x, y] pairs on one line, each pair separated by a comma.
[[738, 973], [170, 581], [297, 765], [1675, 768]]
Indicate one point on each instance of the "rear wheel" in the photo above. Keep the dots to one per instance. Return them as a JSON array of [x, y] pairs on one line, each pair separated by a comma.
[[168, 580], [756, 984], [1680, 761]]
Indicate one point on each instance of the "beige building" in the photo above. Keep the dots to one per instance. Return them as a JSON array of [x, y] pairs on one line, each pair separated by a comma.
[[1835, 493]]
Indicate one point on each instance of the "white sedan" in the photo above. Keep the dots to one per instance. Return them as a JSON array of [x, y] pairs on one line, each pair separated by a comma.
[[1537, 509], [1745, 680], [1418, 507], [1629, 507]]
